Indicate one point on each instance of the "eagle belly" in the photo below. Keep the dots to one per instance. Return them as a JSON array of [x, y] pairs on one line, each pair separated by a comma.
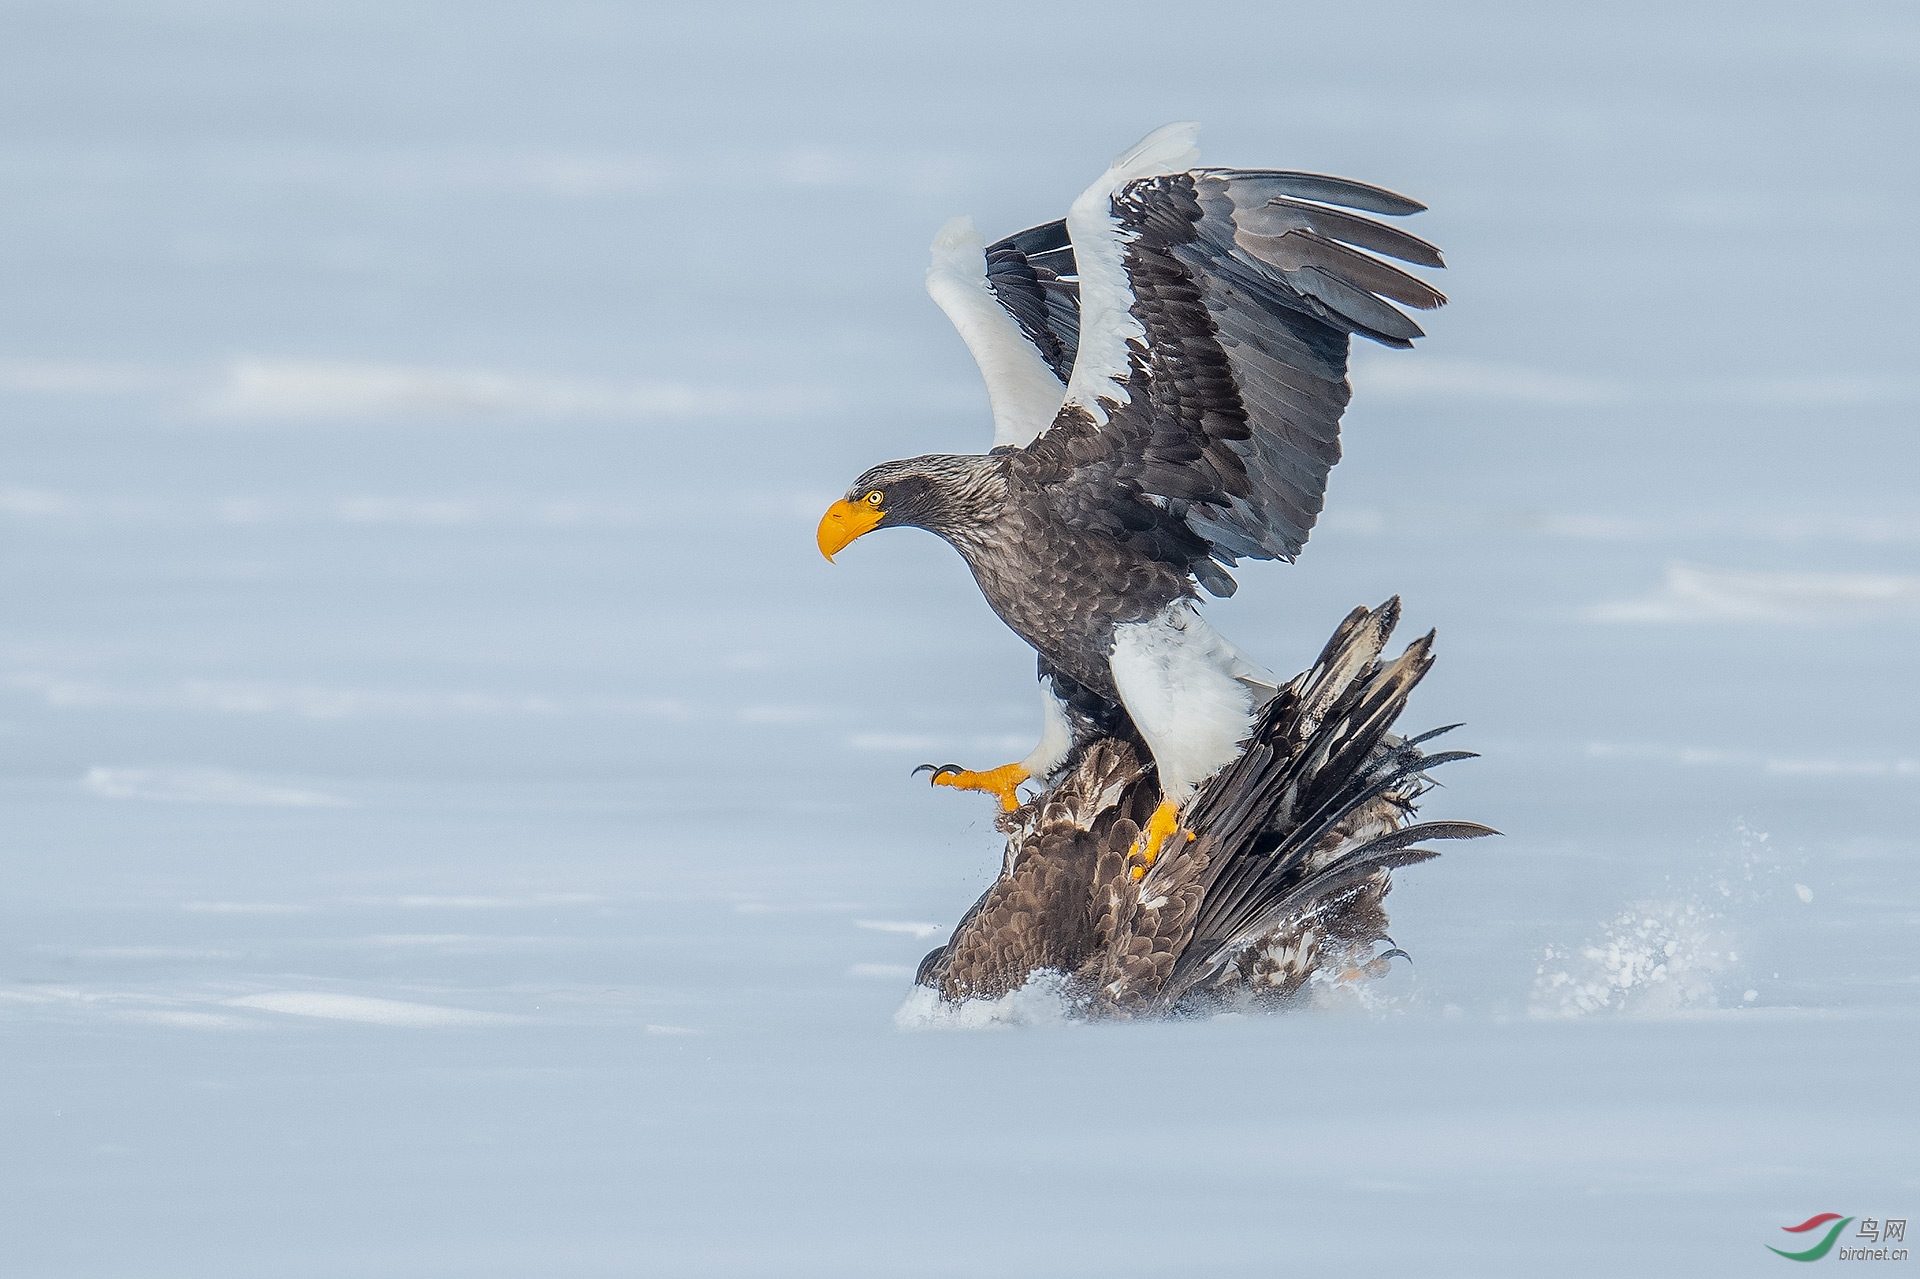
[[1126, 628], [1064, 589]]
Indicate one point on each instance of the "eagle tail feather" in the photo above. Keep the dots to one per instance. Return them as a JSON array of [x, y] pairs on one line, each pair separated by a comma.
[[1317, 805]]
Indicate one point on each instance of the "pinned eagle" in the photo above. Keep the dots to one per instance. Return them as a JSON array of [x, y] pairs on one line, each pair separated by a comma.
[[1283, 886], [1167, 368]]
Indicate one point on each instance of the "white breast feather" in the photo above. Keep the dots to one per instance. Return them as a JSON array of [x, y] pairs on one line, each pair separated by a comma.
[[1107, 322], [1023, 391]]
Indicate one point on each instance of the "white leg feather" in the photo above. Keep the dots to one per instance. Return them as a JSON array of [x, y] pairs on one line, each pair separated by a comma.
[[1056, 736], [1188, 692]]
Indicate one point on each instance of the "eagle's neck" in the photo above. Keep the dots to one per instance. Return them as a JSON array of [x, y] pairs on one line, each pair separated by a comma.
[[973, 496]]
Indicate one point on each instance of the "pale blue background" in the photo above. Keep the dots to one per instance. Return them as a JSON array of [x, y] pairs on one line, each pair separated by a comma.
[[414, 420]]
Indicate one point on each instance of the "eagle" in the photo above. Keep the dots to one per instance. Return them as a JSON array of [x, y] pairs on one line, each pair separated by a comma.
[[1280, 897], [1167, 369]]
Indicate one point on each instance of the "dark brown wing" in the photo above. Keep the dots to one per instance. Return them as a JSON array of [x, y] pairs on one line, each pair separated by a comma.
[[1249, 286], [1032, 276]]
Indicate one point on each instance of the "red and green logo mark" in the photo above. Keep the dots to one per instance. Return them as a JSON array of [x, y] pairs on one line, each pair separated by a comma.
[[1820, 1249]]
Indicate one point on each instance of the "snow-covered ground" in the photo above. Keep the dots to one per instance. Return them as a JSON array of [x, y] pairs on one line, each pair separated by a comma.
[[456, 825]]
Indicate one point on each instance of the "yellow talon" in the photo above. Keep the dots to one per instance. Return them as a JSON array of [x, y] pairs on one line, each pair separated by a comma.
[[1001, 781], [1160, 828]]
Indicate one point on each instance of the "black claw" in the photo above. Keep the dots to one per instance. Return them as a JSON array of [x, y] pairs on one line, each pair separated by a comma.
[[938, 771]]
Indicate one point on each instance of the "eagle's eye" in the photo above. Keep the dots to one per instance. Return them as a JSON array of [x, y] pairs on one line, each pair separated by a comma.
[[874, 498]]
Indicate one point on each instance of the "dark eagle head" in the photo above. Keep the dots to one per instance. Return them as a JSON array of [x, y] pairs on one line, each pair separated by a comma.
[[942, 493]]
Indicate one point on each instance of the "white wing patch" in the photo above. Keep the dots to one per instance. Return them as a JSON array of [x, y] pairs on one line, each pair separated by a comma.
[[1188, 692], [1107, 323], [1023, 391]]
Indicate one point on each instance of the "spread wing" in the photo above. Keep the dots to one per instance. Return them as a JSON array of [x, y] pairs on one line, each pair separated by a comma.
[[1205, 315]]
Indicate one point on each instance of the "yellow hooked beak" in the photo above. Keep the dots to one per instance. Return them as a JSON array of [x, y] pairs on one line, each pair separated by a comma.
[[845, 521]]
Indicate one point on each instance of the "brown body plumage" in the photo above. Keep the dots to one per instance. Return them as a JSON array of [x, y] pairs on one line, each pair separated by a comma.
[[1058, 583]]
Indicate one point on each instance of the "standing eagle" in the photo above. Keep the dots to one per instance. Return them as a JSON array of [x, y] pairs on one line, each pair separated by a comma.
[[1167, 367]]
